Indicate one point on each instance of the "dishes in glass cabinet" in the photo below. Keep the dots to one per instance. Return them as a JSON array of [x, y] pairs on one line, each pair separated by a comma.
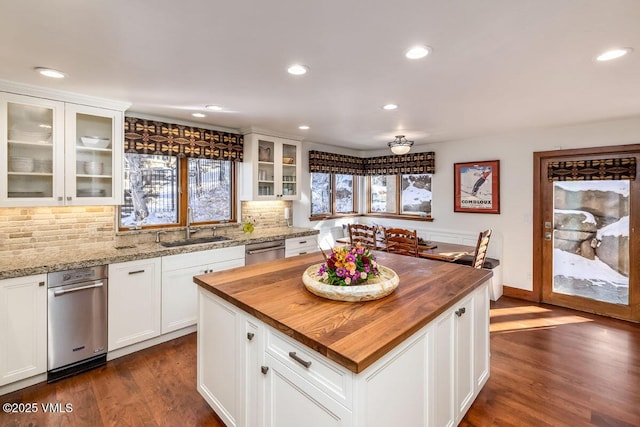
[[21, 164], [95, 141], [30, 136], [93, 168]]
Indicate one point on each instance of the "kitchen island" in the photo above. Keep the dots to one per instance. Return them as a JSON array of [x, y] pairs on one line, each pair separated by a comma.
[[271, 353]]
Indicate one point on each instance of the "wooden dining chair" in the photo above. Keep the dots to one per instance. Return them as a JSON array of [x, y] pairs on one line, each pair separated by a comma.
[[481, 249], [401, 241], [365, 234]]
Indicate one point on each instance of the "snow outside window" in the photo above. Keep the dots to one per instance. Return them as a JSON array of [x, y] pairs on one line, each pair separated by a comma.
[[210, 190], [320, 194], [383, 193], [150, 190], [415, 195]]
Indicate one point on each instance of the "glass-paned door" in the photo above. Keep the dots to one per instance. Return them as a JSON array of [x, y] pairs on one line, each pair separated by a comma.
[[289, 170], [586, 242], [30, 151], [591, 240]]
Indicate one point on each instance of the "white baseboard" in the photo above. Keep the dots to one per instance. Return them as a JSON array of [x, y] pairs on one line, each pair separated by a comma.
[[27, 382]]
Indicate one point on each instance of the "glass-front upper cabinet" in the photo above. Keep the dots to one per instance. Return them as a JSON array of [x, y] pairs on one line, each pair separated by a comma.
[[57, 153], [272, 168], [94, 160], [31, 150]]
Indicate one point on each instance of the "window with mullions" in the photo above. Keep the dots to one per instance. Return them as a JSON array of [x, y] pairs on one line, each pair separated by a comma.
[[154, 190], [333, 194], [399, 195]]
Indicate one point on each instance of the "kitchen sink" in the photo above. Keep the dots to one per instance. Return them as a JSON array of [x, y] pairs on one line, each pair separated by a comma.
[[195, 241]]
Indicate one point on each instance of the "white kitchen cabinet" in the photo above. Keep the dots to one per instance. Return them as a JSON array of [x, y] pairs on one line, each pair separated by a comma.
[[300, 246], [292, 401], [229, 357], [461, 343], [430, 379], [23, 328], [134, 302], [180, 293], [271, 168], [48, 164]]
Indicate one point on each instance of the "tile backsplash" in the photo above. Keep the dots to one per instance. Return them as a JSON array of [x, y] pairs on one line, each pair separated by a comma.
[[34, 230], [39, 229], [267, 214]]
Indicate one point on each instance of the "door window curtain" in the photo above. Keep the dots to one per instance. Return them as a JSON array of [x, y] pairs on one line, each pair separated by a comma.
[[593, 170]]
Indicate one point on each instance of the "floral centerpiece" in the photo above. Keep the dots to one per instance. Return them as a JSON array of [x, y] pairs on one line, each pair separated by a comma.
[[348, 266]]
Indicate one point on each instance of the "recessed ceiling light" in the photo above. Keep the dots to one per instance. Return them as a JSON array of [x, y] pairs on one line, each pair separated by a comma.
[[199, 115], [213, 107], [613, 54], [50, 72], [303, 127], [418, 52], [298, 69], [390, 107]]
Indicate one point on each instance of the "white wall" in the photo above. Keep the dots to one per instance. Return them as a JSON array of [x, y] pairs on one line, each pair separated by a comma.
[[512, 239]]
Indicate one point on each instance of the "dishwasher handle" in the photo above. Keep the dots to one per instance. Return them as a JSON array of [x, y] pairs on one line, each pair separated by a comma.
[[79, 288], [269, 249]]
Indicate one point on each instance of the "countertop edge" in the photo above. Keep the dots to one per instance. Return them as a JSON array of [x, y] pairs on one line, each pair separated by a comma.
[[355, 366], [111, 254]]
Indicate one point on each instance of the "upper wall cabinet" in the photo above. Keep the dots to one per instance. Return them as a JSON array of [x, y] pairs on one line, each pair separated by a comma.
[[58, 153], [271, 168]]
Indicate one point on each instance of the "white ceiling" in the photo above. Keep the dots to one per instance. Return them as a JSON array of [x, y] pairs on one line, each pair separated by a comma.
[[497, 65]]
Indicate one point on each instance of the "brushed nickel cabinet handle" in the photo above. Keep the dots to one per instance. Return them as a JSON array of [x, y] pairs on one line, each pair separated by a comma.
[[294, 356], [460, 312], [136, 272]]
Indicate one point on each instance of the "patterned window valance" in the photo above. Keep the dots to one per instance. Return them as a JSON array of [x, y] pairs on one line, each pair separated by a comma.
[[592, 170], [335, 163], [152, 137], [415, 163]]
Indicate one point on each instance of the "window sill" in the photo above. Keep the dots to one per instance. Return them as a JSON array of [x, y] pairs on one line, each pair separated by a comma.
[[324, 217], [398, 216], [373, 215]]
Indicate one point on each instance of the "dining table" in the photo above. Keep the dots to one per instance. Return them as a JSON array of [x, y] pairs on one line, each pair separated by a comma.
[[431, 249]]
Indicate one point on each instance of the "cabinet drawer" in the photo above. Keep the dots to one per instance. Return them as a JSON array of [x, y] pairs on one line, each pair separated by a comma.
[[300, 245], [206, 257], [322, 373]]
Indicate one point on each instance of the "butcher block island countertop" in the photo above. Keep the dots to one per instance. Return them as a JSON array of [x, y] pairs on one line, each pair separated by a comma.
[[353, 334]]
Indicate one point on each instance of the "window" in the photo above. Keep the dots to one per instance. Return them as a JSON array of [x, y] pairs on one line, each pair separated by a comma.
[[413, 199], [333, 194], [156, 190]]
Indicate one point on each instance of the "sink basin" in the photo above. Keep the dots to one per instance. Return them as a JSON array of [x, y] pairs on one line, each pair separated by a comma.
[[194, 241]]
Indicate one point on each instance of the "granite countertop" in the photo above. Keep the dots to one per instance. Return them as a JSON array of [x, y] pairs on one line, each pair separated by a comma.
[[110, 252]]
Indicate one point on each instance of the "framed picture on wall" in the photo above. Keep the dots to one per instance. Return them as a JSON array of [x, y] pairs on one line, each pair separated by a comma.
[[477, 187]]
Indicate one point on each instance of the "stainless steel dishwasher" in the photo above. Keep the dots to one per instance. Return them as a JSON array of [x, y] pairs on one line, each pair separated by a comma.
[[261, 252], [77, 321]]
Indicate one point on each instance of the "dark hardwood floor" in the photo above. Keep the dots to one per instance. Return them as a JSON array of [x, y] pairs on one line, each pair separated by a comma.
[[549, 367]]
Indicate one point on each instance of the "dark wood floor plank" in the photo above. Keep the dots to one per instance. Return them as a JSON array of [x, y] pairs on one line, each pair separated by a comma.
[[550, 366]]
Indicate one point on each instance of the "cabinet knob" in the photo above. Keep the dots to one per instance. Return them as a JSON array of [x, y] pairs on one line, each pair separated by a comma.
[[69, 198], [41, 284], [264, 369], [460, 311], [250, 335]]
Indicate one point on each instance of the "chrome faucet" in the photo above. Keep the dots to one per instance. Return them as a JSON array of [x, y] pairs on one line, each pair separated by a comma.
[[189, 230]]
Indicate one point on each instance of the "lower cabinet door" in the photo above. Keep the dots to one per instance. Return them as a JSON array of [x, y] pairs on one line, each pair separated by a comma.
[[180, 298], [23, 328], [134, 302], [290, 401]]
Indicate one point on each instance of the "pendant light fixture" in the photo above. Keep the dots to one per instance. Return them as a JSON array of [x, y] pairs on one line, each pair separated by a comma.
[[400, 145]]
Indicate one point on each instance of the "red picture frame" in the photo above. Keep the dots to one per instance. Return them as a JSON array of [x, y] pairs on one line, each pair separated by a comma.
[[477, 187]]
